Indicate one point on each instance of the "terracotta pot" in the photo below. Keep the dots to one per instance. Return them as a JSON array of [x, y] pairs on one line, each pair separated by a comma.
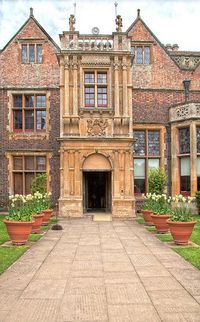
[[160, 222], [37, 223], [18, 231], [47, 215], [147, 217], [181, 231]]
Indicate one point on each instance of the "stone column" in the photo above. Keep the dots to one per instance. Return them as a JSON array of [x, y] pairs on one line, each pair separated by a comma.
[[124, 73], [116, 69], [75, 93], [62, 95], [61, 172], [66, 101], [175, 161], [193, 158], [65, 178]]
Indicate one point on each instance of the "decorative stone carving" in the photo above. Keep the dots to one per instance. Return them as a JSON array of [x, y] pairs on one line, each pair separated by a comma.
[[97, 127], [186, 62], [118, 22], [95, 60], [184, 112], [72, 21]]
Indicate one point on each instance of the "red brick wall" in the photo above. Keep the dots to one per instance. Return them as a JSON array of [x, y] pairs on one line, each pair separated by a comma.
[[13, 75]]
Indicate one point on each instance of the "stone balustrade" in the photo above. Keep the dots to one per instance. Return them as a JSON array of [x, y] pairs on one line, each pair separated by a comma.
[[184, 112]]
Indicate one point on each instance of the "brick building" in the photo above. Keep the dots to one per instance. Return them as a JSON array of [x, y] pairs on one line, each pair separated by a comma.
[[76, 110]]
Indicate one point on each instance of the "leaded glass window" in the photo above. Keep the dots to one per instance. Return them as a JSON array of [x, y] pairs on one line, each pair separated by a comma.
[[198, 139], [140, 142], [184, 141], [153, 143], [31, 53], [142, 55], [146, 55]]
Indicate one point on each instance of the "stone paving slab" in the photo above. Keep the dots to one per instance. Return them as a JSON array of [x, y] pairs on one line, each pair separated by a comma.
[[100, 271]]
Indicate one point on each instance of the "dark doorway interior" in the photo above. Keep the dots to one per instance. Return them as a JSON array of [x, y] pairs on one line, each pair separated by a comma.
[[97, 191]]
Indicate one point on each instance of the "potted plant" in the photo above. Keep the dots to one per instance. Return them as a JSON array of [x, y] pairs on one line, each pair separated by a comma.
[[181, 225], [147, 209], [19, 220], [161, 212], [37, 212], [47, 208]]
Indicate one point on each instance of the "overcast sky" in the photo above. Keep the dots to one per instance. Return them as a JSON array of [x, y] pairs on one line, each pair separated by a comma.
[[172, 21]]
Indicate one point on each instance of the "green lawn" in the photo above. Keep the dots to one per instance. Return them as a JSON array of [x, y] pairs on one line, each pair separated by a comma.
[[10, 254], [191, 254]]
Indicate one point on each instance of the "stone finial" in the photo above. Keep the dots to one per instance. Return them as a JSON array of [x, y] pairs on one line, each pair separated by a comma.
[[31, 12], [118, 22], [138, 13], [72, 21]]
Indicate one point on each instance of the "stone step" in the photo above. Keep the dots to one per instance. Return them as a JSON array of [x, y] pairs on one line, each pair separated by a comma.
[[102, 217]]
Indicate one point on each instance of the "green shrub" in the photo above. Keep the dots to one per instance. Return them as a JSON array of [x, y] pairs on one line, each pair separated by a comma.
[[198, 201], [39, 183], [157, 181]]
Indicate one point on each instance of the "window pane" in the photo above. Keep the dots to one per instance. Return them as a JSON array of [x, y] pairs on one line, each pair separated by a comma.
[[17, 163], [198, 139], [17, 119], [102, 96], [153, 143], [29, 163], [89, 96], [41, 101], [31, 53], [89, 77], [39, 53], [139, 56], [17, 101], [24, 54], [153, 164], [28, 180], [139, 146], [18, 183], [41, 120], [198, 167], [185, 166], [139, 168], [29, 120], [102, 78], [184, 140], [147, 55], [29, 101], [41, 163], [139, 175]]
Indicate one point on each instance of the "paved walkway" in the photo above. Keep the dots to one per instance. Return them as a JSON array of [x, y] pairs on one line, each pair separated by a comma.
[[91, 271]]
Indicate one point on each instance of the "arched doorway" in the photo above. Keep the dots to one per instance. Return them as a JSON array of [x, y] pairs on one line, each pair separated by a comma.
[[97, 184]]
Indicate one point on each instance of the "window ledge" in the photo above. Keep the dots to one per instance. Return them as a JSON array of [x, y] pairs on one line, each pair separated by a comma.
[[99, 110]]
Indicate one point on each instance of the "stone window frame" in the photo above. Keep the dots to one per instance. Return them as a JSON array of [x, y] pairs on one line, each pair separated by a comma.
[[28, 134], [176, 184], [36, 47], [28, 42], [10, 156], [95, 69], [146, 157], [143, 45]]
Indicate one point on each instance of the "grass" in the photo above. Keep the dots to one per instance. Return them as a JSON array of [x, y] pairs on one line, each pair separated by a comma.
[[8, 255], [190, 254]]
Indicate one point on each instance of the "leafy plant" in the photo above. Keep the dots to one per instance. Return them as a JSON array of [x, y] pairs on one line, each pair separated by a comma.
[[39, 183], [182, 214], [198, 201], [157, 181], [21, 208], [161, 208]]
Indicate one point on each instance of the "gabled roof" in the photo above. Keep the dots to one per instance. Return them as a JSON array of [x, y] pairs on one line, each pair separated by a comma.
[[31, 17], [151, 33]]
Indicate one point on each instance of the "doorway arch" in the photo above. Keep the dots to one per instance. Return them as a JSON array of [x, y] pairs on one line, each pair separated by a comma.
[[97, 178]]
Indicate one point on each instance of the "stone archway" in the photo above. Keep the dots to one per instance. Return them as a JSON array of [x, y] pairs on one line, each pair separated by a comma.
[[97, 184]]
